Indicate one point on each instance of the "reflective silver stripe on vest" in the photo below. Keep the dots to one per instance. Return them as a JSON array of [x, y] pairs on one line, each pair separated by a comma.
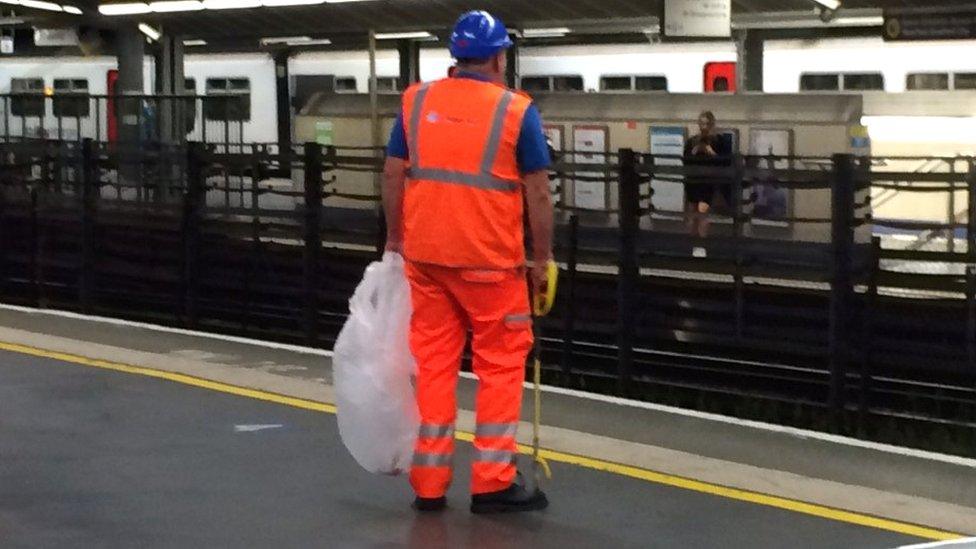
[[418, 107], [422, 459], [480, 181], [525, 317], [495, 456], [436, 431], [496, 429], [495, 136]]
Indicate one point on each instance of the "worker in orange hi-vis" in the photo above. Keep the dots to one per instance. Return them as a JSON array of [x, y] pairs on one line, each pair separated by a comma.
[[464, 156]]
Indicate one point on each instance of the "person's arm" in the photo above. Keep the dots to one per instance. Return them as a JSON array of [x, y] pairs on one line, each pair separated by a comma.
[[394, 177], [538, 202], [534, 160]]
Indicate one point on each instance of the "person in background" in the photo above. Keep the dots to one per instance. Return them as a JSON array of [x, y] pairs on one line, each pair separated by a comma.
[[705, 149]]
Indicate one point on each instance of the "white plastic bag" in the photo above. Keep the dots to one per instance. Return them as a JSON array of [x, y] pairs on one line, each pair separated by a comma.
[[372, 369]]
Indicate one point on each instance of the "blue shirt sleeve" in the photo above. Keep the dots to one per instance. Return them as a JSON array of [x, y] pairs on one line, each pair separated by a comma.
[[397, 147], [531, 151]]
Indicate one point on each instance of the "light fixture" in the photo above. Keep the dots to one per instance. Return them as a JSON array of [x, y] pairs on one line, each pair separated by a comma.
[[313, 42], [124, 9], [545, 33], [833, 5], [194, 42], [72, 10], [150, 32], [344, 1], [402, 35], [38, 5], [230, 4], [11, 2], [169, 6], [285, 40], [277, 3]]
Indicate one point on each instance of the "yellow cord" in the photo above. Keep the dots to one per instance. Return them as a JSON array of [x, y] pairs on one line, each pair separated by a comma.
[[541, 305]]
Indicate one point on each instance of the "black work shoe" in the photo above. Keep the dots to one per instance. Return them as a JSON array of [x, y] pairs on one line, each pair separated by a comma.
[[429, 504], [513, 499]]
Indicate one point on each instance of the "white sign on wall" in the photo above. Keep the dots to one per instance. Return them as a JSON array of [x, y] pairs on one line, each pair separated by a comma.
[[554, 133], [6, 44], [698, 18], [590, 144], [55, 37], [668, 141]]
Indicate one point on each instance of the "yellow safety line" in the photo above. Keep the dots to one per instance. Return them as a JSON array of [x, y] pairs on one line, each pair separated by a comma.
[[552, 455]]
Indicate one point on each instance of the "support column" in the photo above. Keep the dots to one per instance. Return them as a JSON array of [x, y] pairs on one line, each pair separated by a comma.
[[130, 50], [750, 46], [170, 114], [409, 52], [283, 99], [512, 57]]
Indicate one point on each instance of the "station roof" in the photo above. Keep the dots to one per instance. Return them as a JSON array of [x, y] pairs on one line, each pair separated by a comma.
[[354, 18]]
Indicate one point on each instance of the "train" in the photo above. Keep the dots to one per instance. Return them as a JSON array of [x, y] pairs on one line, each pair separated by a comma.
[[868, 66]]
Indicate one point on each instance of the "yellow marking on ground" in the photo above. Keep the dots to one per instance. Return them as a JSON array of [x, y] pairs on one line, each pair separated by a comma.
[[647, 475]]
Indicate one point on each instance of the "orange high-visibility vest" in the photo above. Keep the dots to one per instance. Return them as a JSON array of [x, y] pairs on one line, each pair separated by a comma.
[[463, 201]]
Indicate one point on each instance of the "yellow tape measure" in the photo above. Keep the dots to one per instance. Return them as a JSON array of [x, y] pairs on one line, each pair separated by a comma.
[[542, 303]]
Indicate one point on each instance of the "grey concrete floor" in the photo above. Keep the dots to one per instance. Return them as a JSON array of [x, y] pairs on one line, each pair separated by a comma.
[[91, 458]]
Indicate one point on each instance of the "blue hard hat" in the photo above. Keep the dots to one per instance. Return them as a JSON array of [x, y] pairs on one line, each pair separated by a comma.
[[478, 35]]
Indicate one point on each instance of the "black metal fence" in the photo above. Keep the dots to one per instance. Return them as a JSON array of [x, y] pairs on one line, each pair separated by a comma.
[[787, 318]]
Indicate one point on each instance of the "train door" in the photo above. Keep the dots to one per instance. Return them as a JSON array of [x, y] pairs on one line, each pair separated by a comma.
[[719, 77], [110, 115]]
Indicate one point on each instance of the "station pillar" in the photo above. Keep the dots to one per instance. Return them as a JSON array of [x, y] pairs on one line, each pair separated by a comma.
[[750, 45], [409, 53], [130, 50], [171, 113]]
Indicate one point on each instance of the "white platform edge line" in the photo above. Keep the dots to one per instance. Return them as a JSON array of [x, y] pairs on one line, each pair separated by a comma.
[[759, 425], [964, 541]]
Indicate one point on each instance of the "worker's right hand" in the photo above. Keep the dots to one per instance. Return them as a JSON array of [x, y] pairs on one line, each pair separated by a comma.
[[394, 246]]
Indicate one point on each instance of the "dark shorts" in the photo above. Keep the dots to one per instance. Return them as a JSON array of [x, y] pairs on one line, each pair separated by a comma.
[[696, 193], [699, 192]]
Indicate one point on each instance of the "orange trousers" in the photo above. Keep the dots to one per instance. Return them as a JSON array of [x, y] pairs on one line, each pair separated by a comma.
[[494, 305]]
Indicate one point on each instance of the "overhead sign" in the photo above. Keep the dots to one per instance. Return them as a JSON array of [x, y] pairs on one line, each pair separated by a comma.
[[698, 18], [55, 37], [946, 23]]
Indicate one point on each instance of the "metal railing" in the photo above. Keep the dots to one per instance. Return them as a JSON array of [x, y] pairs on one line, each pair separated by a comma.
[[788, 310]]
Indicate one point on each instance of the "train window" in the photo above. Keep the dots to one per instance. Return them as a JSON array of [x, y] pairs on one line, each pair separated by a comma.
[[864, 81], [567, 83], [345, 84], [651, 83], [229, 99], [190, 85], [927, 81], [67, 106], [536, 83], [819, 82], [616, 83], [387, 84], [27, 106], [964, 81]]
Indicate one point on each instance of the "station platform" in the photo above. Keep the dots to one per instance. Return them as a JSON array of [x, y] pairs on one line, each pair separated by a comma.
[[118, 434]]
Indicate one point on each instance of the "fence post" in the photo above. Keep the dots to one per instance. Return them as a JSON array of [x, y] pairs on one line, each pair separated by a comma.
[[737, 232], [313, 236], [194, 200], [37, 272], [841, 280], [868, 333], [569, 312], [629, 219], [89, 198], [971, 270]]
